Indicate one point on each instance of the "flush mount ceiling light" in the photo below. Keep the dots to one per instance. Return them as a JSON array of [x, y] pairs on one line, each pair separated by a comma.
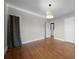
[[49, 13]]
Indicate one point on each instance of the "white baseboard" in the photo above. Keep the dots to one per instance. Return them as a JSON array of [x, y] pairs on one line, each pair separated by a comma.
[[32, 40], [48, 37], [64, 40], [5, 50]]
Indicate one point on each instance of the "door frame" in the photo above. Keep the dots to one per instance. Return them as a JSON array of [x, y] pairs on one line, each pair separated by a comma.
[[52, 36]]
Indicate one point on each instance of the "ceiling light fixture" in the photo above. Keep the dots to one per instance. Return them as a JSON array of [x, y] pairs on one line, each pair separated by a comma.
[[49, 13]]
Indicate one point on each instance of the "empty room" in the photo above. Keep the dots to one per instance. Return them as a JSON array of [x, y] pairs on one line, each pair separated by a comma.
[[39, 29]]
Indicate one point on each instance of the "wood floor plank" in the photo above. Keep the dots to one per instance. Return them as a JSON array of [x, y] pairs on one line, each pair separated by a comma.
[[43, 49]]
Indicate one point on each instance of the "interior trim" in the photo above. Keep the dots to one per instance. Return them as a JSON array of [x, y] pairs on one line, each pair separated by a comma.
[[25, 42], [26, 11]]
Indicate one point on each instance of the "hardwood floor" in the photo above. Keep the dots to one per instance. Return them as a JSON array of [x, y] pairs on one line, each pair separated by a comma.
[[43, 49]]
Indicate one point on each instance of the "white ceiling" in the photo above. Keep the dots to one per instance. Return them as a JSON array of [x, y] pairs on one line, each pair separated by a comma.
[[59, 7]]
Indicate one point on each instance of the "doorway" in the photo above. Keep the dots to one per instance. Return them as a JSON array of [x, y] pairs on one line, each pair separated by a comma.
[[52, 27], [13, 33]]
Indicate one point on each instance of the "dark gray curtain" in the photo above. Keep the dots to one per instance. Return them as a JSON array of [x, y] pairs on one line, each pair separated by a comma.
[[13, 33]]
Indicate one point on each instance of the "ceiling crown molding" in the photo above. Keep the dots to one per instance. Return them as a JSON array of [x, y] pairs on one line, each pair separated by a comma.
[[24, 10]]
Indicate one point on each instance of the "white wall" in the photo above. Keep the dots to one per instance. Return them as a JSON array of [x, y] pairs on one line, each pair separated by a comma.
[[47, 29], [59, 28], [31, 27], [65, 28], [5, 27], [69, 29]]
